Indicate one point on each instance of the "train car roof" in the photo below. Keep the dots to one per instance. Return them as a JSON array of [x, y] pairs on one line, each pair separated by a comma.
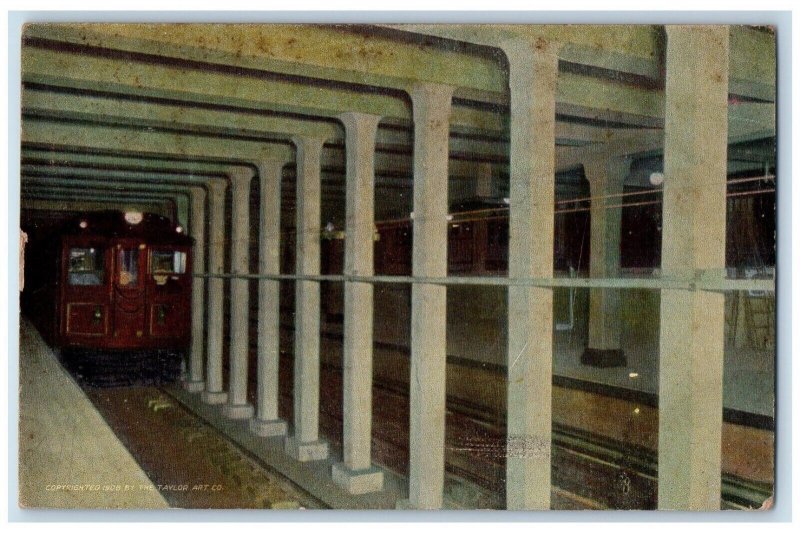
[[151, 227]]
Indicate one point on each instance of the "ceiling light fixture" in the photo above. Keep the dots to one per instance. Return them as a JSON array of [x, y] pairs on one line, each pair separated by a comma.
[[656, 178]]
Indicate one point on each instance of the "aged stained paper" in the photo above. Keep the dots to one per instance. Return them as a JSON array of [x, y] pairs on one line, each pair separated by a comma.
[[454, 266]]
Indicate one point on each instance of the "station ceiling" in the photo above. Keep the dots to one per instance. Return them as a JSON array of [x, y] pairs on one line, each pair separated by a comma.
[[143, 105]]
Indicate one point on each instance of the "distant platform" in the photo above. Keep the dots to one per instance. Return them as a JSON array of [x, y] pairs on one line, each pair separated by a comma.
[[69, 458]]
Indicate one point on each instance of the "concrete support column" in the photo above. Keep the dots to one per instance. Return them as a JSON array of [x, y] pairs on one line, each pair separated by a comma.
[[194, 381], [606, 179], [532, 81], [267, 423], [182, 207], [305, 444], [356, 473], [692, 322], [216, 265], [431, 106], [237, 406], [484, 186]]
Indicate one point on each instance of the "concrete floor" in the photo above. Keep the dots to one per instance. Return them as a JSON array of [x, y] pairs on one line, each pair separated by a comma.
[[68, 455], [476, 331], [748, 379]]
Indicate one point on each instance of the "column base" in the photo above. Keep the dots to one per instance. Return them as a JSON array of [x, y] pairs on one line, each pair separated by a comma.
[[268, 428], [306, 451], [194, 386], [238, 411], [357, 481], [215, 397], [603, 358]]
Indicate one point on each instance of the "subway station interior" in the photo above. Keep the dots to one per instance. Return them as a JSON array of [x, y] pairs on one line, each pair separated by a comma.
[[398, 266]]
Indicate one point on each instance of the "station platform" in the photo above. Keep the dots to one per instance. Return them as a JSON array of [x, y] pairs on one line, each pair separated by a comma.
[[68, 455], [115, 448]]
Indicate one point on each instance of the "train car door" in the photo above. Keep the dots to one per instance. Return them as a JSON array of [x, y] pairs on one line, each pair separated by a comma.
[[129, 291], [169, 292], [84, 291]]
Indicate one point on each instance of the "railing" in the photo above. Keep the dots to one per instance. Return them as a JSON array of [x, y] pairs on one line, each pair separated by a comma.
[[701, 280]]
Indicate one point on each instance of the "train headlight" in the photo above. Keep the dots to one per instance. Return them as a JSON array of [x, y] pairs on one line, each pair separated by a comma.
[[133, 217]]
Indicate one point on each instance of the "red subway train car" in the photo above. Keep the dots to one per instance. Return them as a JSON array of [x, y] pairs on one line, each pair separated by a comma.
[[118, 285]]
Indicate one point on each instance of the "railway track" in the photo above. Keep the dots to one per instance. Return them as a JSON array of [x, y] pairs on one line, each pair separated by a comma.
[[592, 470], [589, 471], [192, 464]]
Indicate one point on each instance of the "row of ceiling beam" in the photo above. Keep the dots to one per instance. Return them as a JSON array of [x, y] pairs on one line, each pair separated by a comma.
[[138, 107]]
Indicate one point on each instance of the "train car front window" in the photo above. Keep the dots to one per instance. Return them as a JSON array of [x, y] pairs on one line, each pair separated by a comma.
[[128, 267], [85, 266], [168, 262]]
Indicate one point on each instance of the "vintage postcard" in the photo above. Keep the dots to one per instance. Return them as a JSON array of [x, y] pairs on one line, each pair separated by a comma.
[[398, 266]]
